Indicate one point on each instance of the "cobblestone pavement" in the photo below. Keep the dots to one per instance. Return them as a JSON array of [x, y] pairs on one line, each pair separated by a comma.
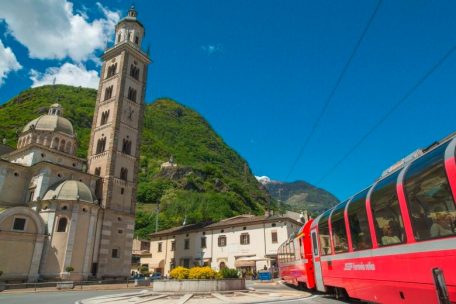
[[147, 296]]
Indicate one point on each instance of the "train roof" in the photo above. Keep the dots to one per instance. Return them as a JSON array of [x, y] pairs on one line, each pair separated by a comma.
[[391, 170]]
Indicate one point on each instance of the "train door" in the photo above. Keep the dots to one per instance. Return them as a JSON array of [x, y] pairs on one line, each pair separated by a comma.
[[316, 261]]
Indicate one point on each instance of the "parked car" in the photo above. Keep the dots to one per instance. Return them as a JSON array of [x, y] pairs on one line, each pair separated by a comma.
[[155, 276]]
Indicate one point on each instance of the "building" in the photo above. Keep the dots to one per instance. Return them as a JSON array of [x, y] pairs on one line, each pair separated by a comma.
[[245, 242], [58, 211]]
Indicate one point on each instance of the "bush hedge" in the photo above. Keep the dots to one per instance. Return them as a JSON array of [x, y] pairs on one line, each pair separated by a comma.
[[201, 273]]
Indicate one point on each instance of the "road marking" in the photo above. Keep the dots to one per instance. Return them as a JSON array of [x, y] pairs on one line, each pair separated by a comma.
[[185, 298]]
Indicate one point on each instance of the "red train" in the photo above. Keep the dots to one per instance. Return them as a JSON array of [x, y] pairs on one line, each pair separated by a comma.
[[394, 242]]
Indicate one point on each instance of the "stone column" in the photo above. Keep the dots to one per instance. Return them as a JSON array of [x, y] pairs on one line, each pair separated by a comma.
[[36, 259], [71, 236], [90, 242]]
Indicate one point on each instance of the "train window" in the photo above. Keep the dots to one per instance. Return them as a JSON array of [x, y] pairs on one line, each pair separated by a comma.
[[292, 250], [387, 213], [323, 232], [314, 244], [359, 226], [339, 233], [431, 204]]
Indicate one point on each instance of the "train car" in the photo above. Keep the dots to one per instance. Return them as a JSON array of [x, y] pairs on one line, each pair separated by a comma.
[[295, 259], [394, 242]]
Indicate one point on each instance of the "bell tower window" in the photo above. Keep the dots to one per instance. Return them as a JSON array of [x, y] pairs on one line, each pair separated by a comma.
[[126, 146], [108, 93], [124, 174], [132, 94], [104, 117], [101, 145], [111, 70], [134, 72]]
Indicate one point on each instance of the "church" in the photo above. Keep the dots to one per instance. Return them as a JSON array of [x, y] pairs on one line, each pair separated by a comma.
[[63, 217]]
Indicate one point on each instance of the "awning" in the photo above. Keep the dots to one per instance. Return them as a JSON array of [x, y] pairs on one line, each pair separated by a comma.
[[249, 261], [244, 263]]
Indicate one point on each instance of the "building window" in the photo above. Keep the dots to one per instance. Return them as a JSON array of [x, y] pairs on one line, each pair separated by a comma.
[[108, 92], [19, 224], [134, 72], [173, 245], [122, 190], [274, 237], [136, 39], [145, 246], [186, 263], [97, 171], [222, 241], [104, 117], [160, 247], [245, 239], [62, 225], [124, 174], [203, 242], [187, 244], [131, 94], [126, 146], [118, 37], [115, 253], [101, 145], [111, 70]]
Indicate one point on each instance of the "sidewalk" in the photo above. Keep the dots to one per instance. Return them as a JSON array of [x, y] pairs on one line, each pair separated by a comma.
[[76, 288]]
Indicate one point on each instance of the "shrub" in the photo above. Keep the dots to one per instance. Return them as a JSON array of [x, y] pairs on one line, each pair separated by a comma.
[[179, 273], [144, 270], [202, 273], [69, 269], [229, 273]]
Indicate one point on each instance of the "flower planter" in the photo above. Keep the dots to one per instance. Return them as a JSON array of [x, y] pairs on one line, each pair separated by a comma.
[[198, 285]]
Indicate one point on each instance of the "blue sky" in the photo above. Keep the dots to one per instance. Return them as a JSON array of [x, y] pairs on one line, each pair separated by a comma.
[[260, 72]]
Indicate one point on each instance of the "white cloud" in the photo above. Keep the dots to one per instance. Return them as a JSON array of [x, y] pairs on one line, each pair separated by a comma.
[[8, 62], [263, 179], [211, 48], [50, 29], [68, 73]]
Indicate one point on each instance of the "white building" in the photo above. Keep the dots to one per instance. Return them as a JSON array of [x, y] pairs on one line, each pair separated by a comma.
[[244, 242]]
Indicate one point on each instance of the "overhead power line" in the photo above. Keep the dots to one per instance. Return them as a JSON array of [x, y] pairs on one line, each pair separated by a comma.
[[334, 89], [408, 93]]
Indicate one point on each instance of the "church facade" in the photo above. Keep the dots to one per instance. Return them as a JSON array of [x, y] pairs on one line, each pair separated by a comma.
[[66, 217]]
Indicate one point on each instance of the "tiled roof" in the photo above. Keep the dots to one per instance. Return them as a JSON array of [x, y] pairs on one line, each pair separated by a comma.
[[232, 221]]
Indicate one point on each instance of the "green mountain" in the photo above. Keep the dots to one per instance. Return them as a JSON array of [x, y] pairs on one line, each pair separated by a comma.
[[299, 195], [208, 181]]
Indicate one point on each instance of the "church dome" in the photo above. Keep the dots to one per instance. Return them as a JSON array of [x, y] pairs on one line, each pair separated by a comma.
[[52, 123], [70, 190]]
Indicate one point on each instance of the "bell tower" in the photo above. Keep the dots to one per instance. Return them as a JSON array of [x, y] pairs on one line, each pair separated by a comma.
[[114, 145]]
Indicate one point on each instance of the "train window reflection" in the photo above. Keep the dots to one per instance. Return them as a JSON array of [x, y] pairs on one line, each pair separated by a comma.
[[359, 226], [323, 231], [431, 204], [387, 213], [339, 233]]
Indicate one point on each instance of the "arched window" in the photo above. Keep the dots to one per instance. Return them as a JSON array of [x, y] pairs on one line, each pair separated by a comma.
[[111, 70], [134, 72], [126, 146], [108, 93], [118, 37], [131, 94], [62, 225], [62, 145], [104, 117], [101, 145], [124, 174]]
